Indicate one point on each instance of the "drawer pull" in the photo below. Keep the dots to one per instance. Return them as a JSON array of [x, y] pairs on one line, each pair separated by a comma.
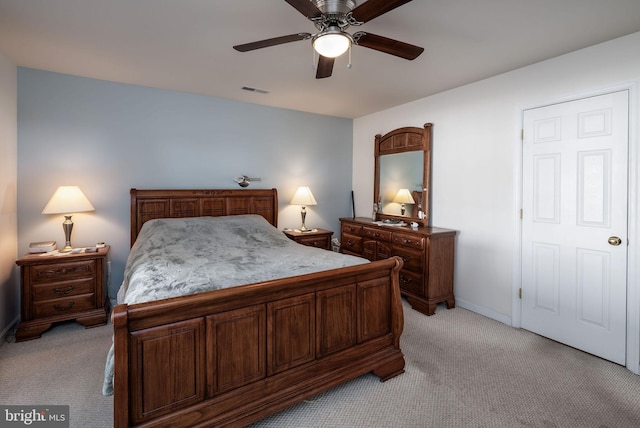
[[62, 271], [60, 292], [404, 279], [406, 259], [63, 308], [350, 243]]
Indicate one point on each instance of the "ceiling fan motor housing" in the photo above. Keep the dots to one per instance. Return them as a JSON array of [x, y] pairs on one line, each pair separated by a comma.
[[329, 7]]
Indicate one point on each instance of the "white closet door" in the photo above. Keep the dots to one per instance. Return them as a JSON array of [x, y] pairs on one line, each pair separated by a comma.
[[574, 231]]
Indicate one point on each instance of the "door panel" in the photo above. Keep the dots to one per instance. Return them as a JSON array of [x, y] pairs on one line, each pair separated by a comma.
[[575, 199]]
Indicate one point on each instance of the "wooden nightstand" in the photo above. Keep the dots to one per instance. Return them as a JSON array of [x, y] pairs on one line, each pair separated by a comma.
[[65, 287], [319, 238]]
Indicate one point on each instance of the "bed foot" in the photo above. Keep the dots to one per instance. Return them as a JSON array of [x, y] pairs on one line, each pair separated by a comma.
[[390, 369]]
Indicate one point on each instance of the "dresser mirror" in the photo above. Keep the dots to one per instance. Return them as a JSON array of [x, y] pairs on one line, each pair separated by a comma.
[[402, 175]]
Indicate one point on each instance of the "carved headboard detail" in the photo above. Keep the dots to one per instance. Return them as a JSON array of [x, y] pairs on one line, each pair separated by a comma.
[[150, 204]]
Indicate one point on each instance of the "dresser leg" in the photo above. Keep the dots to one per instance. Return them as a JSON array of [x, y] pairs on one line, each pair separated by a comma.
[[31, 331]]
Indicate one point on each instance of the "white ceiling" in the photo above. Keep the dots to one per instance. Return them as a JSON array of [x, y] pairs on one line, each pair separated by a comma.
[[186, 45]]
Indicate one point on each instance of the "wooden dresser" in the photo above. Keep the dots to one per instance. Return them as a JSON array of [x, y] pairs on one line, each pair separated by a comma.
[[426, 278], [60, 288]]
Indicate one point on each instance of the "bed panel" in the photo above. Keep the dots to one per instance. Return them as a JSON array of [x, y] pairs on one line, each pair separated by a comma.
[[232, 356]]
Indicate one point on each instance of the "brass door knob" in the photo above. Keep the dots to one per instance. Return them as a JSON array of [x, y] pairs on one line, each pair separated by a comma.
[[614, 240]]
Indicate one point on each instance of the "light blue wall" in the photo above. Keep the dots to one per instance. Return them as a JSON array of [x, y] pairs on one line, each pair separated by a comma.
[[108, 137]]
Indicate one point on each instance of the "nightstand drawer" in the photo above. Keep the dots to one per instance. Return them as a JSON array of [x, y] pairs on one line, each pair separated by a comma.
[[64, 306], [63, 289], [62, 271], [315, 241]]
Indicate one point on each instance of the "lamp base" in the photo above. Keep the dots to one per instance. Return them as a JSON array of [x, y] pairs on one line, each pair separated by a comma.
[[68, 227]]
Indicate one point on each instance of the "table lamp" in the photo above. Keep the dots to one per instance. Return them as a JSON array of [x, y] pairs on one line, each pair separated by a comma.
[[67, 200], [403, 197], [304, 197]]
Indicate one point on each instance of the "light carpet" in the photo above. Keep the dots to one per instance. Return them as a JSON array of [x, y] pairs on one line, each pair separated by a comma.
[[463, 370]]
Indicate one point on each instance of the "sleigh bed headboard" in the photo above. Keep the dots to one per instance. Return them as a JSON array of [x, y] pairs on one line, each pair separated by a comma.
[[149, 204]]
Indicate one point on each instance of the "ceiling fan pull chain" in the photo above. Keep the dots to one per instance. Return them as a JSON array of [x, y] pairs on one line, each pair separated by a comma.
[[349, 65]]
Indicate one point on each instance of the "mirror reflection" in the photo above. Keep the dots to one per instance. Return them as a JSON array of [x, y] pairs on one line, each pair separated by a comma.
[[400, 175]]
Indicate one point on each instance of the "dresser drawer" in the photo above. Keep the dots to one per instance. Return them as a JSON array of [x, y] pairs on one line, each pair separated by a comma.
[[62, 271], [408, 240], [67, 305], [351, 229], [383, 251], [411, 281], [62, 289], [412, 258], [377, 234], [352, 243]]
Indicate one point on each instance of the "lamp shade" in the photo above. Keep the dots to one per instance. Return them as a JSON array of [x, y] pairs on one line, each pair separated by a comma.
[[304, 197], [404, 197], [332, 43], [68, 200]]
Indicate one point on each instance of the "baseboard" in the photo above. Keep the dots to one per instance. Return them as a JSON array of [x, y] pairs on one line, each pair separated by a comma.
[[5, 332], [505, 319]]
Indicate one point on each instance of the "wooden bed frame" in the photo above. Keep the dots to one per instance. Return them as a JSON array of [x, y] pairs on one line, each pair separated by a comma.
[[231, 357]]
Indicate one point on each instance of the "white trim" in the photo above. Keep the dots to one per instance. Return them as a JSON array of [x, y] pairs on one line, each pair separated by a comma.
[[516, 307], [5, 332], [633, 250], [633, 213], [497, 316]]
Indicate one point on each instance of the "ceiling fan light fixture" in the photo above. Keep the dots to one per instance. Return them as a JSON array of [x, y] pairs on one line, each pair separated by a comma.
[[331, 43]]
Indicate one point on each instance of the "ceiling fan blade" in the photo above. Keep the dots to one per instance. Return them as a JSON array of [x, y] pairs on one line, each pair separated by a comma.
[[325, 67], [306, 8], [272, 42], [386, 45], [374, 8]]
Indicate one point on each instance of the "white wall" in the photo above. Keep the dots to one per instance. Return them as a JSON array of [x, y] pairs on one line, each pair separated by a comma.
[[9, 291], [475, 150]]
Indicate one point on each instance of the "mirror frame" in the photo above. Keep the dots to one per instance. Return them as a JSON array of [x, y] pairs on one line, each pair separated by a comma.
[[401, 140]]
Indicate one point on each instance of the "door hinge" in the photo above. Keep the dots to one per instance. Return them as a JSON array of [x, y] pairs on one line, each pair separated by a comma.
[[522, 134], [520, 293], [521, 213]]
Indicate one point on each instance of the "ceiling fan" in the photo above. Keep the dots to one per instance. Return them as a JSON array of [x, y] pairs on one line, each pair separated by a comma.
[[332, 18]]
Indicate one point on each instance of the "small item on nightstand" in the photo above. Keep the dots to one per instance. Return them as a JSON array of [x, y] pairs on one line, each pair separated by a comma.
[[100, 245], [42, 247], [91, 249]]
